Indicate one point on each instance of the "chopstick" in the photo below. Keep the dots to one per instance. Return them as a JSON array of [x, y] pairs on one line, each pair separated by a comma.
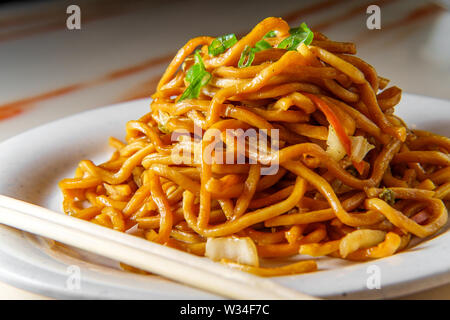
[[173, 264]]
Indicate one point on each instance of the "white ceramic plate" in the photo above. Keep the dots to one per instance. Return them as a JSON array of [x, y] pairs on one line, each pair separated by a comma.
[[32, 164]]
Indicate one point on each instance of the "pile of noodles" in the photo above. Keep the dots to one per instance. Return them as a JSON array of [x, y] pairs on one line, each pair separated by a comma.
[[323, 200]]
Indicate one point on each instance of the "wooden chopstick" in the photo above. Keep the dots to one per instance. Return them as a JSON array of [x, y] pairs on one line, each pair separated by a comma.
[[168, 262]]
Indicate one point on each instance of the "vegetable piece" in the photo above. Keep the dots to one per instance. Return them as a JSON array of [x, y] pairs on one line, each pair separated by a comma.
[[360, 147], [387, 195], [333, 120], [220, 44], [298, 35], [262, 45], [248, 54], [197, 77], [270, 34], [335, 149], [247, 57], [359, 166], [360, 239], [240, 250], [164, 118]]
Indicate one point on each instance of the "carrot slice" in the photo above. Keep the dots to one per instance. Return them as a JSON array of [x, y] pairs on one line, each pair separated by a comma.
[[359, 166], [333, 120]]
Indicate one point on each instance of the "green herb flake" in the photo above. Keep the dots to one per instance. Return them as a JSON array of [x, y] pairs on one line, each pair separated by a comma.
[[387, 195], [270, 34], [222, 43], [197, 77], [247, 57], [298, 35], [248, 54], [262, 45]]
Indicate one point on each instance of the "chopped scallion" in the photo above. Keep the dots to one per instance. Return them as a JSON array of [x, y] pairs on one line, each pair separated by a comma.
[[220, 44], [197, 77], [270, 34], [248, 54], [298, 35], [262, 45]]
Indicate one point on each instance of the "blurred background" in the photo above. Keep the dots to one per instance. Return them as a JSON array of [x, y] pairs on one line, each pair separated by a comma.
[[48, 72]]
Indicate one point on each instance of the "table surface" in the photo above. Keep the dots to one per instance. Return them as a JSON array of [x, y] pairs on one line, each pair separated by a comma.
[[49, 72]]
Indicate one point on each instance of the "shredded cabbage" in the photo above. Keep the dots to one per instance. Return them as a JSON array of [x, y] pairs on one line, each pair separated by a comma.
[[360, 146], [335, 148]]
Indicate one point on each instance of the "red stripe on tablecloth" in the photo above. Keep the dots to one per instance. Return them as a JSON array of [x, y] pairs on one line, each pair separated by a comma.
[[10, 112], [25, 103]]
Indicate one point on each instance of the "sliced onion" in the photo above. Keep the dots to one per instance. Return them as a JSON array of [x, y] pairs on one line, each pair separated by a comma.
[[360, 147], [240, 250], [335, 148], [163, 118]]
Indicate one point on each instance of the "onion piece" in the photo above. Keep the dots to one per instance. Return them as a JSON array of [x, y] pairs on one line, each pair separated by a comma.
[[240, 250], [163, 118], [335, 148], [360, 147], [360, 239]]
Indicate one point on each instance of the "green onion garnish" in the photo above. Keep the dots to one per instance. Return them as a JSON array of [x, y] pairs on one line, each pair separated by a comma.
[[270, 34], [220, 44], [262, 45], [298, 35], [197, 77], [248, 55]]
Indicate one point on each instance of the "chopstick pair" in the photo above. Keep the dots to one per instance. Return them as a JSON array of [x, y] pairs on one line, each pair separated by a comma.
[[158, 259]]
